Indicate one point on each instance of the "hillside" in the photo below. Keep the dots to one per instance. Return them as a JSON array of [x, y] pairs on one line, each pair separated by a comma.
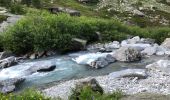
[[139, 12]]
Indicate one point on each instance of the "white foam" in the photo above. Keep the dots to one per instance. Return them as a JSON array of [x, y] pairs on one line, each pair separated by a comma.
[[88, 58]]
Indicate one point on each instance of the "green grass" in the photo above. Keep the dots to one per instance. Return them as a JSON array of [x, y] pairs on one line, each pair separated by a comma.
[[25, 95]]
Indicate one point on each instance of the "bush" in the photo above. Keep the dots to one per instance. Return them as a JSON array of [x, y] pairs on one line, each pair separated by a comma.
[[86, 93], [17, 8], [2, 18], [40, 31], [26, 95], [48, 31]]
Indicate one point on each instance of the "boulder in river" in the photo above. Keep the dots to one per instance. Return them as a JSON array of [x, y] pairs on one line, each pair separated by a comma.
[[139, 73], [127, 54], [9, 85], [99, 63], [42, 67], [8, 62]]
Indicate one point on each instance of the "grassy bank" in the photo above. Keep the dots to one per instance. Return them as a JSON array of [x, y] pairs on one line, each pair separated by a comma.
[[54, 32]]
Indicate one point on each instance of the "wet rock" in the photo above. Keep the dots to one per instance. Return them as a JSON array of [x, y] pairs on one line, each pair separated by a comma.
[[147, 41], [149, 51], [166, 43], [99, 63], [139, 73], [78, 44], [110, 59], [64, 10], [111, 46], [5, 54], [161, 51], [9, 85], [8, 62], [127, 54], [34, 56], [42, 67], [92, 83]]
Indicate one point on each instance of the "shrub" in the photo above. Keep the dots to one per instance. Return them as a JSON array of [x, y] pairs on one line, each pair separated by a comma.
[[40, 30], [2, 18], [25, 95], [48, 31], [86, 93], [16, 8]]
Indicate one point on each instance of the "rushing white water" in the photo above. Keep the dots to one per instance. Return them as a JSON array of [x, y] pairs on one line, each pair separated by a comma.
[[88, 58]]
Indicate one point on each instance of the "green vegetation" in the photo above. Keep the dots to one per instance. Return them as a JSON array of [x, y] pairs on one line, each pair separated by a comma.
[[25, 95], [86, 93], [48, 31], [54, 32], [3, 18]]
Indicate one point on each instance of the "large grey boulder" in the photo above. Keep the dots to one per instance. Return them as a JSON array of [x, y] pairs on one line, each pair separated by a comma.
[[139, 73], [41, 67], [92, 83], [78, 44], [127, 54], [102, 61], [149, 51], [8, 62], [166, 43], [99, 63], [9, 85]]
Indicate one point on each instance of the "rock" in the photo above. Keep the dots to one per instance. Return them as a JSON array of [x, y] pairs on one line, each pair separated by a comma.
[[168, 1], [5, 54], [147, 41], [110, 59], [161, 65], [78, 44], [134, 40], [9, 85], [41, 67], [139, 13], [149, 51], [34, 56], [95, 47], [161, 51], [166, 43], [99, 63], [7, 89], [111, 46], [92, 83], [139, 73], [64, 10], [127, 54], [88, 1], [7, 62]]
